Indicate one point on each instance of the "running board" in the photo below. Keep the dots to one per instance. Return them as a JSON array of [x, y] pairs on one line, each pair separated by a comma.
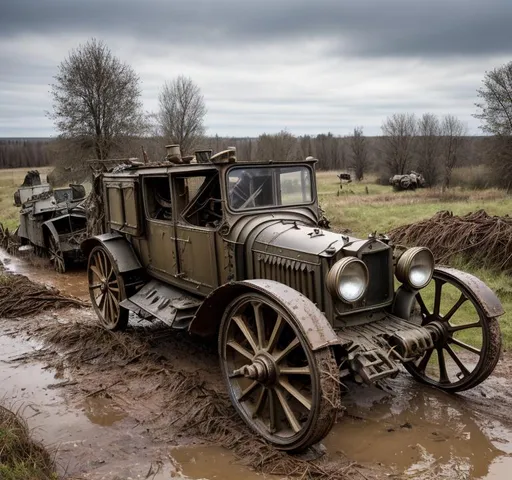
[[159, 300]]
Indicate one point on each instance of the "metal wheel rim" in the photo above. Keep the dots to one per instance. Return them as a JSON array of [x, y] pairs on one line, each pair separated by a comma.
[[488, 354], [276, 397], [56, 256], [106, 288]]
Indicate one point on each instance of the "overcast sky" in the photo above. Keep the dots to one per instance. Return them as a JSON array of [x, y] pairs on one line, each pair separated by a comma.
[[308, 66]]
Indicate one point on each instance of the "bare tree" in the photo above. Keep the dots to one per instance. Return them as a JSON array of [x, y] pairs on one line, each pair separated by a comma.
[[96, 99], [429, 131], [182, 112], [496, 105], [278, 146], [453, 133], [495, 110], [398, 136], [359, 148]]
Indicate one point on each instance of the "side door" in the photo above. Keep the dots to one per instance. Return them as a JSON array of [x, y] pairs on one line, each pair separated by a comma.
[[160, 257], [198, 217]]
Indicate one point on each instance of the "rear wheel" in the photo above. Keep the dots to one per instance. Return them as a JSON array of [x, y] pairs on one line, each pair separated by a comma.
[[282, 389], [107, 289], [56, 255]]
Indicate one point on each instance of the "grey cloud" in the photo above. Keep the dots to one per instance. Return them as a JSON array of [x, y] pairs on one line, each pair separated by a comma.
[[365, 27]]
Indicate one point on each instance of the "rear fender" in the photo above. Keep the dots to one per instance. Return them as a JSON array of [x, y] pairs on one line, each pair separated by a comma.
[[120, 249], [482, 294], [49, 229], [314, 326]]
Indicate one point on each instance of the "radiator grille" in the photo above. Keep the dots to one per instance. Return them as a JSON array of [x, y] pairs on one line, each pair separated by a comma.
[[298, 275], [379, 269]]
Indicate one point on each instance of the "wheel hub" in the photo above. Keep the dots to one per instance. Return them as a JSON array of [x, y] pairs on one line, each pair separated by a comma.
[[263, 370], [103, 287]]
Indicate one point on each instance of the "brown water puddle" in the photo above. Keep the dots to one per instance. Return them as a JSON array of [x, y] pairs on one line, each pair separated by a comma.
[[421, 433], [212, 463], [73, 282], [102, 411], [94, 436]]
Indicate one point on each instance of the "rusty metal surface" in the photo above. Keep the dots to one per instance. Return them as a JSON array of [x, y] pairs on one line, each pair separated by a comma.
[[51, 218]]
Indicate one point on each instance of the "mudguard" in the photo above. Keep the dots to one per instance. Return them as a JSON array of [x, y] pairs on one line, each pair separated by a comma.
[[120, 249], [51, 228], [50, 225], [483, 295], [314, 326]]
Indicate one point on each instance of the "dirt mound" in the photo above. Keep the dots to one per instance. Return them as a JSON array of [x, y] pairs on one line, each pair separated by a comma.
[[187, 400], [20, 296], [479, 237]]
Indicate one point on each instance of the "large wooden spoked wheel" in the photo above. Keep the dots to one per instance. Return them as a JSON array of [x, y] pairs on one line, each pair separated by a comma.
[[56, 255], [469, 347], [282, 389], [107, 290]]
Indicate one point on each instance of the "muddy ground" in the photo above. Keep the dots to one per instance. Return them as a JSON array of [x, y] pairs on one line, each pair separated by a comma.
[[115, 415]]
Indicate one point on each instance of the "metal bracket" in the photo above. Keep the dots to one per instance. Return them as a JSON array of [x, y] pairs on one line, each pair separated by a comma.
[[373, 365]]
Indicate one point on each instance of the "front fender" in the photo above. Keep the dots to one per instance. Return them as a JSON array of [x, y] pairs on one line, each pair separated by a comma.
[[120, 249], [483, 295], [314, 326]]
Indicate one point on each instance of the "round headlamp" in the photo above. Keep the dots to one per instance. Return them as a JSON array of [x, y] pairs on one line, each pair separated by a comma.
[[415, 267], [348, 279]]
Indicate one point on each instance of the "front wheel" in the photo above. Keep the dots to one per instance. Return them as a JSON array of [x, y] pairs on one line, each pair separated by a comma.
[[282, 389], [469, 348], [107, 290]]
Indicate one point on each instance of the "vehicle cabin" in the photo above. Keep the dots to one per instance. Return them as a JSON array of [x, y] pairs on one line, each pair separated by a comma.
[[173, 214]]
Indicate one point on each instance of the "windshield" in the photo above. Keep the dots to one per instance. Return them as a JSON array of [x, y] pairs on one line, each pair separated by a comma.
[[268, 186]]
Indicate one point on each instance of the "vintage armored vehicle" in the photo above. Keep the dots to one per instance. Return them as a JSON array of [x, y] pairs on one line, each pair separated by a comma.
[[52, 222], [410, 181], [235, 250]]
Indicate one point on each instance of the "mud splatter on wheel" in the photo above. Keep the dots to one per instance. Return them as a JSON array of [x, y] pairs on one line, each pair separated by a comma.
[[470, 345], [107, 290], [282, 389], [56, 255]]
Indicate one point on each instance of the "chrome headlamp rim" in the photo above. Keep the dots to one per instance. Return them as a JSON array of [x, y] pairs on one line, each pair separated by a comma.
[[335, 275], [407, 261]]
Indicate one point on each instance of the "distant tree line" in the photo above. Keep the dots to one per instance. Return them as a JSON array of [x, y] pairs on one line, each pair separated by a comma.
[[16, 153]]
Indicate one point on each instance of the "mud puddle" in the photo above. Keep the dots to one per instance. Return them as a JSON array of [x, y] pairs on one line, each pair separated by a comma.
[[92, 435], [420, 432], [213, 463], [413, 431], [73, 282]]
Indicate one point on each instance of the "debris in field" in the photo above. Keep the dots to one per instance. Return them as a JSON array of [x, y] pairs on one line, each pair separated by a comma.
[[20, 296], [484, 239]]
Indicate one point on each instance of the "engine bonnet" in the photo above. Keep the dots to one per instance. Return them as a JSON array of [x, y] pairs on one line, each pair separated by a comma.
[[286, 235]]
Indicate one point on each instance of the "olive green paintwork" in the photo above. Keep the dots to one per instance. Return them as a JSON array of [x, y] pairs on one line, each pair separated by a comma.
[[284, 243], [280, 243]]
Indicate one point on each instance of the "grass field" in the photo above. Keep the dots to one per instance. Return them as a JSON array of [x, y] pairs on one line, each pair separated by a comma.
[[10, 180], [21, 458]]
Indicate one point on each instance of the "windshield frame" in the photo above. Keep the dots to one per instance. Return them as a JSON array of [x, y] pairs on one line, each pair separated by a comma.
[[270, 207]]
